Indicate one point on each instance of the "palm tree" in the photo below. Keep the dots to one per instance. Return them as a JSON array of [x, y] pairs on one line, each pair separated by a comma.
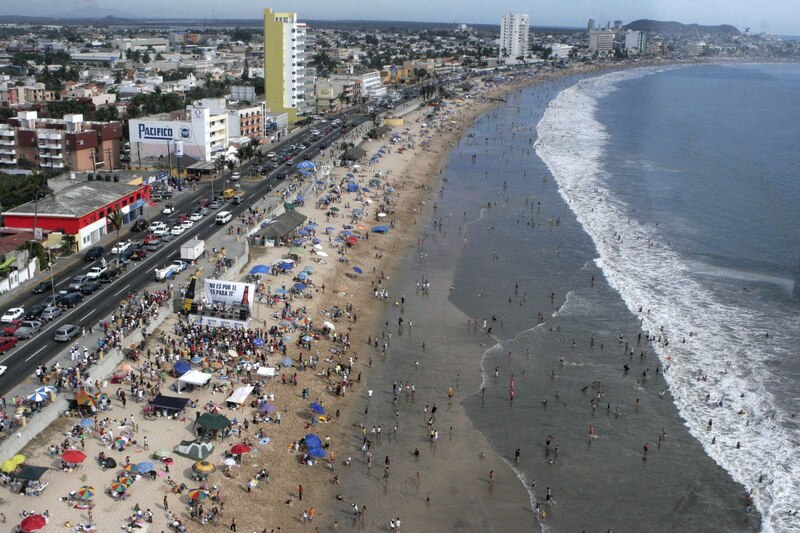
[[68, 243], [116, 218]]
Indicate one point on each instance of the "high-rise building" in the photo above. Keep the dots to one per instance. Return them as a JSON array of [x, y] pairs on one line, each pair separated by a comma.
[[635, 42], [284, 63], [617, 25], [601, 41], [513, 38], [591, 25]]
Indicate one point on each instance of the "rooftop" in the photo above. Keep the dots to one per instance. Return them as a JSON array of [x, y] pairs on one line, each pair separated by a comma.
[[77, 200]]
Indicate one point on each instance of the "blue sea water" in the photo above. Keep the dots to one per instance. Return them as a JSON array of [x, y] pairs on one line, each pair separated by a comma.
[[687, 182]]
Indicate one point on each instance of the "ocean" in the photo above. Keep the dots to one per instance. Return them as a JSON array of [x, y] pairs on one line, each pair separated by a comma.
[[612, 264]]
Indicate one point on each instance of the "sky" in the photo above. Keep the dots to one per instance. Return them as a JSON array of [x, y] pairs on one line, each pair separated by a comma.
[[775, 16]]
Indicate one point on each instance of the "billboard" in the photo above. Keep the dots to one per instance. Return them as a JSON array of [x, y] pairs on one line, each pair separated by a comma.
[[158, 131], [215, 322], [219, 291], [243, 92]]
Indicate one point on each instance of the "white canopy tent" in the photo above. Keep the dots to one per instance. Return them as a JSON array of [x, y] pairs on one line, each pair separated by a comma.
[[240, 395], [193, 377], [265, 371]]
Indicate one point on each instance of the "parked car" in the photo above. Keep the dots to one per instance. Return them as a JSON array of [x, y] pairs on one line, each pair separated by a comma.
[[35, 312], [178, 230], [139, 225], [77, 283], [216, 204], [161, 231], [71, 299], [28, 329], [50, 313], [6, 343], [168, 209], [45, 285], [194, 217], [90, 287], [152, 246], [12, 327], [138, 254], [12, 314], [186, 224], [66, 333], [179, 265], [93, 254], [154, 225], [121, 246], [95, 272], [109, 275], [204, 211], [150, 237]]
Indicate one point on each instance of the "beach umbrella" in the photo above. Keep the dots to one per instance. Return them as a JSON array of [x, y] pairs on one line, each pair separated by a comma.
[[317, 408], [280, 292], [37, 397], [87, 423], [233, 353], [267, 408], [365, 189], [161, 453], [34, 522], [181, 367], [216, 364], [258, 342], [287, 361], [381, 215], [230, 461], [121, 441], [73, 456], [285, 265], [322, 254], [313, 441], [129, 468], [240, 449], [306, 338], [260, 269], [350, 175], [47, 389], [197, 359], [302, 276], [309, 269], [145, 467], [285, 323], [118, 487], [299, 287], [334, 209], [297, 251], [316, 452], [197, 494], [109, 462], [302, 232], [203, 467], [380, 229], [358, 270], [329, 229], [18, 459], [85, 492], [125, 480], [329, 325], [352, 241], [8, 466]]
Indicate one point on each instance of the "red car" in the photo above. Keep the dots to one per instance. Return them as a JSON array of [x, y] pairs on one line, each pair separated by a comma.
[[150, 237], [138, 255], [12, 327], [6, 343]]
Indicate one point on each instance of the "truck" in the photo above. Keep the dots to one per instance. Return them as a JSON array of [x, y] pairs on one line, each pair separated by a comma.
[[163, 274], [192, 250]]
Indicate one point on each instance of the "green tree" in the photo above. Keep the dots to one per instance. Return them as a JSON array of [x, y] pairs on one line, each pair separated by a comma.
[[68, 244], [117, 219]]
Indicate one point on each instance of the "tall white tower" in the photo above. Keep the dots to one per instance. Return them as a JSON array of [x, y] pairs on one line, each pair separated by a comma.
[[513, 38]]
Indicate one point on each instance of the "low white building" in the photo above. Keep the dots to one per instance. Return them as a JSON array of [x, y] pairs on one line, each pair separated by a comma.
[[560, 51], [635, 42]]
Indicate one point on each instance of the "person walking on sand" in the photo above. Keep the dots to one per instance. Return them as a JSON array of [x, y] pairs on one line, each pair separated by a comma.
[[300, 492], [491, 477]]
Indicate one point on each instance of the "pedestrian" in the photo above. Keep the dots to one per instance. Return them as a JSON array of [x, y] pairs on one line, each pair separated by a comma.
[[233, 524], [491, 477], [300, 492], [166, 503]]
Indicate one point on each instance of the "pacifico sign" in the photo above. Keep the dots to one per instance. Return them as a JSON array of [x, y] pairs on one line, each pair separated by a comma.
[[158, 131]]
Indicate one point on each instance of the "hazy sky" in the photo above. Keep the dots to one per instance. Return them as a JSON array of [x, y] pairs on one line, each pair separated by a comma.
[[776, 16]]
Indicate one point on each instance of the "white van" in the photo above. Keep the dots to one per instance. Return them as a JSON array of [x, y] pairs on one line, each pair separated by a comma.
[[223, 217]]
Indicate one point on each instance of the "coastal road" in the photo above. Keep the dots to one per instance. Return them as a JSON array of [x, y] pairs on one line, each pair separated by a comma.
[[27, 355]]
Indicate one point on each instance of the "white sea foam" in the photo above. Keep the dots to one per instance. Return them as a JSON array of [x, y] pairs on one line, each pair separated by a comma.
[[648, 273]]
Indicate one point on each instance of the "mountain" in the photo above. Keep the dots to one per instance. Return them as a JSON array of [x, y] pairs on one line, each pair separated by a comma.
[[671, 27]]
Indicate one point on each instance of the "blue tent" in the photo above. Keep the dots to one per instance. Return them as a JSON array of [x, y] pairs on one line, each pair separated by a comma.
[[259, 269], [352, 187], [302, 275], [280, 292], [317, 408], [358, 270], [305, 165], [365, 189], [310, 227], [300, 287], [350, 175], [284, 265], [380, 229], [181, 367], [302, 232], [313, 441]]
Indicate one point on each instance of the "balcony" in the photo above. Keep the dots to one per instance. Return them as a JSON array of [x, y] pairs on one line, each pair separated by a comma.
[[49, 137], [7, 151], [49, 145], [51, 155], [6, 132], [7, 142], [8, 161], [51, 164]]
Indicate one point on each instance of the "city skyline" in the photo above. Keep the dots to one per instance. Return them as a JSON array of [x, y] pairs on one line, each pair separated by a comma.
[[777, 16]]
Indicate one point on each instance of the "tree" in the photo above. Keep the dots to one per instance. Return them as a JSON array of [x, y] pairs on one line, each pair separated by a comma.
[[68, 244]]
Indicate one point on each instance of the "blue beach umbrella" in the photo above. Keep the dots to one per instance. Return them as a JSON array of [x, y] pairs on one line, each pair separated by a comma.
[[258, 342], [380, 229], [145, 467], [181, 367], [316, 452], [259, 269], [280, 292], [329, 229], [46, 389], [302, 232], [350, 175], [299, 286], [285, 323], [287, 361], [358, 270], [306, 338], [87, 423], [302, 275], [38, 397], [267, 408], [317, 408], [286, 265], [313, 441], [197, 359]]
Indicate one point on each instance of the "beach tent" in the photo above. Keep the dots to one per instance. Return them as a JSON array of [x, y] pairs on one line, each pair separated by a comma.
[[352, 187], [169, 403], [194, 449], [193, 377], [380, 229], [30, 473], [312, 441], [265, 371], [240, 395], [181, 367], [260, 269]]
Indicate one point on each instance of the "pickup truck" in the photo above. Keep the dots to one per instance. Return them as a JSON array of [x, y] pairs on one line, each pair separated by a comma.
[[27, 329], [163, 274], [95, 272], [179, 265], [121, 246]]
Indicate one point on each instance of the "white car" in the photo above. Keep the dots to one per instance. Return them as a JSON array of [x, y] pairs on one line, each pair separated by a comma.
[[95, 272], [161, 230], [194, 217], [168, 209], [155, 225], [121, 247], [177, 230], [188, 223], [179, 265], [235, 176], [12, 314], [3, 370]]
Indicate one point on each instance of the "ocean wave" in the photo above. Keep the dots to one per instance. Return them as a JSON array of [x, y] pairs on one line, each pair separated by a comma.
[[720, 341]]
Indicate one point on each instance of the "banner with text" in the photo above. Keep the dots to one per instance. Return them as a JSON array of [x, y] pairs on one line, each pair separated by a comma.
[[229, 293]]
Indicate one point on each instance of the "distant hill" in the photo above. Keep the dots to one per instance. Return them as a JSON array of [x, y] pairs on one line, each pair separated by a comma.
[[671, 27]]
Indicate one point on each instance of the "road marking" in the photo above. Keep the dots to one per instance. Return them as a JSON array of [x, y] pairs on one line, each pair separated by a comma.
[[81, 319], [34, 353], [122, 289]]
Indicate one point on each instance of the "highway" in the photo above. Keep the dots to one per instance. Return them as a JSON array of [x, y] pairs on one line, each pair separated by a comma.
[[23, 359]]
